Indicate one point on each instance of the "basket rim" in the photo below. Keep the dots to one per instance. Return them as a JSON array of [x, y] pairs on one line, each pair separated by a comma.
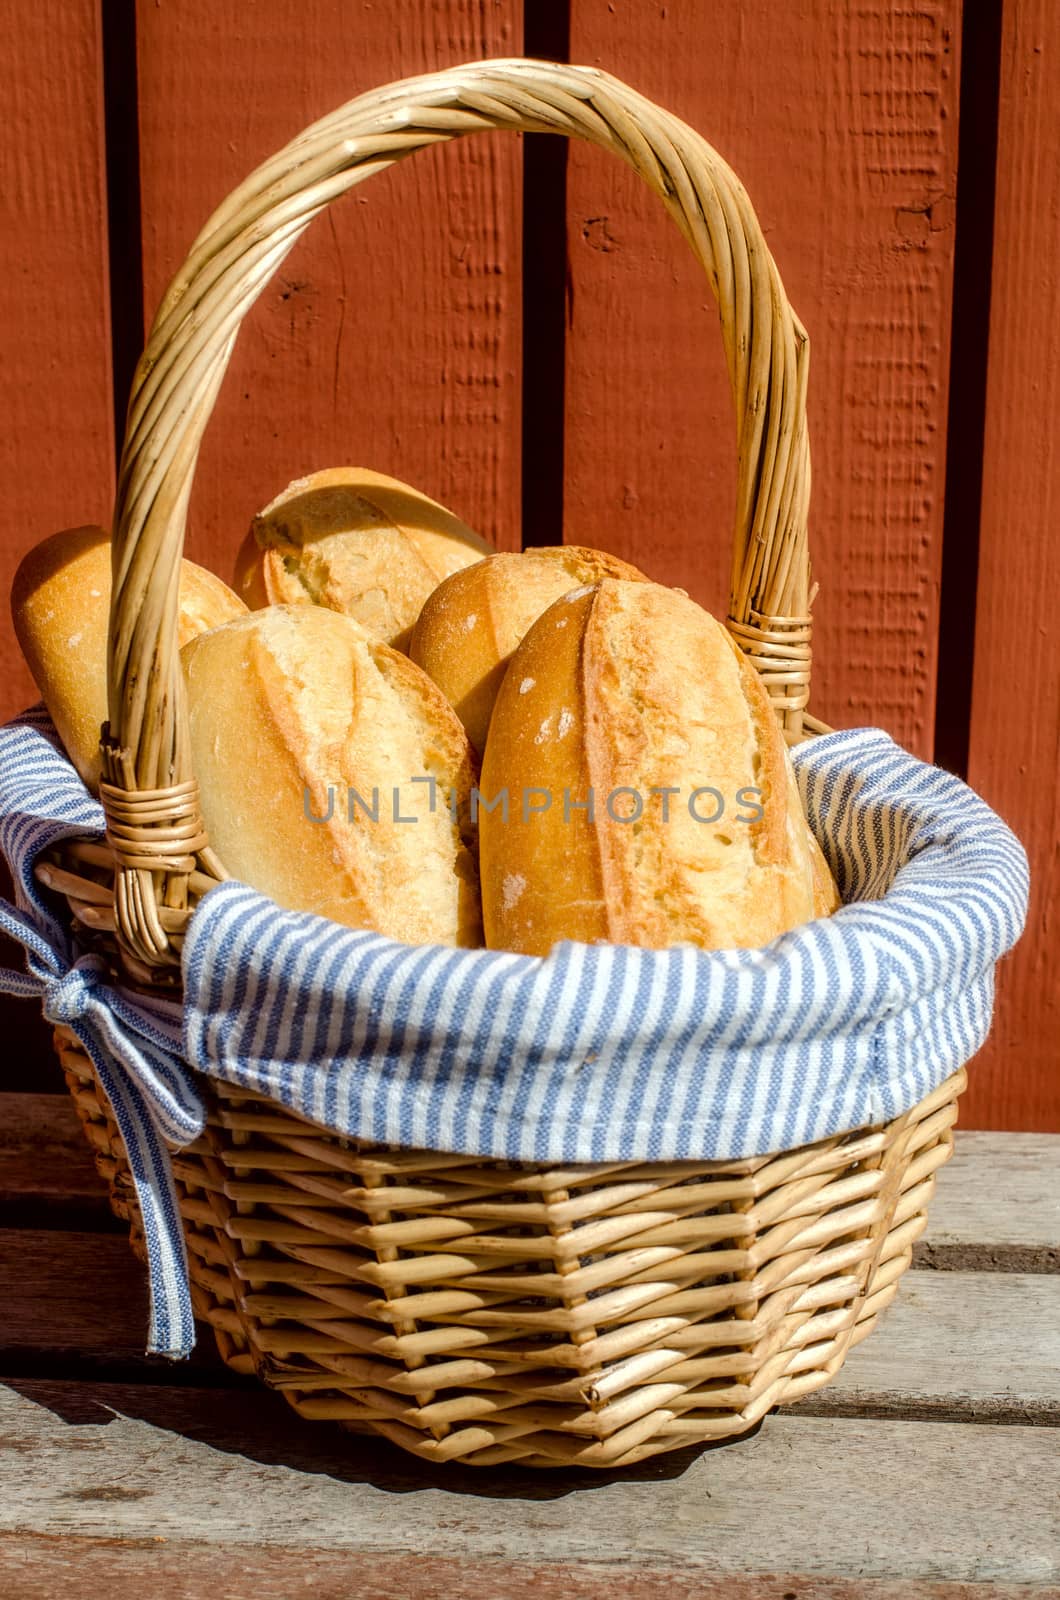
[[879, 1020]]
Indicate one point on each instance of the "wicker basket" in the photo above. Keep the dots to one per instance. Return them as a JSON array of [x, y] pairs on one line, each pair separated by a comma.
[[471, 1309]]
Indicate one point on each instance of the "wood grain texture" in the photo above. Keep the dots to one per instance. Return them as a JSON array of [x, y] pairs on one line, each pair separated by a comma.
[[36, 1567], [997, 1204], [842, 123], [47, 1175], [1014, 752], [56, 445], [945, 1349], [74, 1291], [802, 1496], [57, 439], [80, 1299], [390, 337]]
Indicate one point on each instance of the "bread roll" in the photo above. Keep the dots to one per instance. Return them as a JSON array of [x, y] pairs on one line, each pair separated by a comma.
[[356, 542], [291, 708], [623, 689], [472, 622], [60, 604]]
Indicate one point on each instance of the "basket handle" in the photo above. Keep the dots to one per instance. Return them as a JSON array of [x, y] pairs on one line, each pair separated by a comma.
[[149, 792]]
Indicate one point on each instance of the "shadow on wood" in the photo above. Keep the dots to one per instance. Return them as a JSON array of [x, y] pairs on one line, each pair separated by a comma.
[[258, 1426]]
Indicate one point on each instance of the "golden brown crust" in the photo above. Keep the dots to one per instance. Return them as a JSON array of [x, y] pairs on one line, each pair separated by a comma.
[[290, 709], [542, 871], [473, 621], [630, 689], [60, 600], [357, 542]]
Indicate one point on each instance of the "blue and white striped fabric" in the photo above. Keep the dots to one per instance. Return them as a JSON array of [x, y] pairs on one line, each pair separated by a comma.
[[594, 1053], [134, 1043]]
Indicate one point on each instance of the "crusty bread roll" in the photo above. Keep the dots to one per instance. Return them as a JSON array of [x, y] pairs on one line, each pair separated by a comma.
[[291, 708], [60, 603], [632, 687], [472, 622], [357, 542]]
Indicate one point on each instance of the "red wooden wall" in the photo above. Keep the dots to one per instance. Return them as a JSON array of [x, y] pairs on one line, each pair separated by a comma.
[[842, 123], [567, 377], [391, 337], [57, 438]]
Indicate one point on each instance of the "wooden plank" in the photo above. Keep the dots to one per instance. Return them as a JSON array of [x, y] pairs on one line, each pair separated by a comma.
[[37, 1567], [80, 1293], [943, 1351], [48, 1177], [391, 336], [801, 1497], [947, 1348], [843, 125], [56, 445], [997, 1205], [27, 1063], [252, 1421], [1016, 688], [43, 1150], [80, 1299]]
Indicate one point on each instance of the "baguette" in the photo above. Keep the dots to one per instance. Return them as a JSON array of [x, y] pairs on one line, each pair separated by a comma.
[[357, 542], [619, 692], [292, 708], [60, 605], [470, 625]]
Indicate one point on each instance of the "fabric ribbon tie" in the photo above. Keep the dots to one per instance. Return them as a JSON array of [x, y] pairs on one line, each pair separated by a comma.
[[135, 1050], [67, 999]]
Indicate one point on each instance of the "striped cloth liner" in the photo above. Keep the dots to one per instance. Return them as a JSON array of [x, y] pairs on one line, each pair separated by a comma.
[[593, 1053], [134, 1043]]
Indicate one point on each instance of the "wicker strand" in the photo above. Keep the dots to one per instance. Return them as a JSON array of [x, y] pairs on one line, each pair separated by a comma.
[[159, 844], [781, 650], [154, 829]]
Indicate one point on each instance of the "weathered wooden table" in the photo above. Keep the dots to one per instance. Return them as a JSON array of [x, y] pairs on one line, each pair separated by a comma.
[[931, 1468]]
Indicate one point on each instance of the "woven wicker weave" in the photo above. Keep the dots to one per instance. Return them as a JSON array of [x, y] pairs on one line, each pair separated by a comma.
[[488, 1312], [468, 1309]]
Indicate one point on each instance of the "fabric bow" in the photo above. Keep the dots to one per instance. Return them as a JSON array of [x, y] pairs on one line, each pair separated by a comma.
[[135, 1049]]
